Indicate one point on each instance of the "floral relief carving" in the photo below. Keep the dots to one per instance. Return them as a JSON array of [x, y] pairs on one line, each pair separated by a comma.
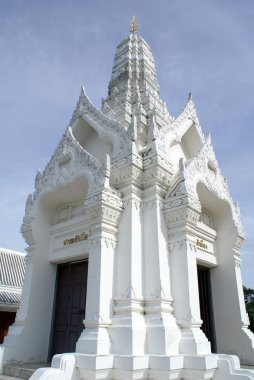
[[129, 159], [148, 205], [130, 293], [126, 175], [27, 233], [156, 174], [238, 242], [177, 245], [29, 212], [105, 206], [29, 258], [97, 319], [107, 242], [132, 201], [181, 215], [189, 320], [160, 293], [95, 242], [238, 261], [100, 213], [108, 196], [110, 243]]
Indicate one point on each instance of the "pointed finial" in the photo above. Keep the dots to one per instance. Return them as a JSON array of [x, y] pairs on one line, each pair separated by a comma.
[[133, 25], [190, 96]]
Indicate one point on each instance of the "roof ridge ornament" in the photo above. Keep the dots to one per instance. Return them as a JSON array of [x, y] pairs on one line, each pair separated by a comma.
[[133, 25]]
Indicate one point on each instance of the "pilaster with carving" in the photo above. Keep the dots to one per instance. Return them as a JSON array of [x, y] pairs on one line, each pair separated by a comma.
[[163, 334], [21, 317], [182, 212], [128, 330], [128, 324], [239, 284], [158, 170], [104, 210]]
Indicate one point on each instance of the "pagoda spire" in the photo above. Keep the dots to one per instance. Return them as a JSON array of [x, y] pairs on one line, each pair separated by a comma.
[[133, 25], [133, 89]]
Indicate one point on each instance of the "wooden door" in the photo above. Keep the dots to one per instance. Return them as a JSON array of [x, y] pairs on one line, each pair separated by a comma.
[[6, 320], [206, 305], [70, 306]]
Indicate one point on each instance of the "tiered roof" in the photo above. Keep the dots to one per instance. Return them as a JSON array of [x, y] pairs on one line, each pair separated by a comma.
[[12, 270]]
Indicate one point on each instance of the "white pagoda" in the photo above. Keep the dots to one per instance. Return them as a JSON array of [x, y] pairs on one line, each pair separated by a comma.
[[133, 264]]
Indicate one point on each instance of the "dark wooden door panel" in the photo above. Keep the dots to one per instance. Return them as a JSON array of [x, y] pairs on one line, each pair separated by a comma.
[[70, 306], [206, 305], [6, 319]]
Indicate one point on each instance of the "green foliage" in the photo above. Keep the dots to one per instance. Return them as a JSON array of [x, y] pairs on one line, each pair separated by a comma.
[[249, 301]]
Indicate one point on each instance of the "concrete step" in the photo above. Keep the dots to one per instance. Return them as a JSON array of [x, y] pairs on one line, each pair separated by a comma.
[[248, 367], [21, 370], [5, 377]]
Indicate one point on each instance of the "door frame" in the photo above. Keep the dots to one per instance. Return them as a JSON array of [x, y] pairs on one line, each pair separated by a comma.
[[56, 289], [209, 305]]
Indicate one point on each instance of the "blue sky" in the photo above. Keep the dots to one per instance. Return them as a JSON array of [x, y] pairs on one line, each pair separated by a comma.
[[48, 49]]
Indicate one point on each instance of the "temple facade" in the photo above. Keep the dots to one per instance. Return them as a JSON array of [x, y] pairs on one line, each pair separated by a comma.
[[133, 267]]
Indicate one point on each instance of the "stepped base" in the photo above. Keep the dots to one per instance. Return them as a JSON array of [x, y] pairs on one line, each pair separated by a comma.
[[248, 367], [123, 367], [22, 370]]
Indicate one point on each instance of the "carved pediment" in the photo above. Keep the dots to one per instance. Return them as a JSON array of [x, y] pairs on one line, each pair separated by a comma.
[[106, 128], [204, 168], [68, 162], [175, 131]]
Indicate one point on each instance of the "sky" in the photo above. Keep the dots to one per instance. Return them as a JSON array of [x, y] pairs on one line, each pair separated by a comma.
[[49, 49]]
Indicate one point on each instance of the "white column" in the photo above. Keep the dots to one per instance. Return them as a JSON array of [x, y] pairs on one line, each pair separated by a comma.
[[128, 326], [186, 296], [231, 319], [163, 334], [95, 339], [182, 214], [104, 210]]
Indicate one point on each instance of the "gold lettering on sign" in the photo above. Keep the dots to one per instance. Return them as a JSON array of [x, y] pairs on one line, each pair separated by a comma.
[[201, 244], [76, 239]]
